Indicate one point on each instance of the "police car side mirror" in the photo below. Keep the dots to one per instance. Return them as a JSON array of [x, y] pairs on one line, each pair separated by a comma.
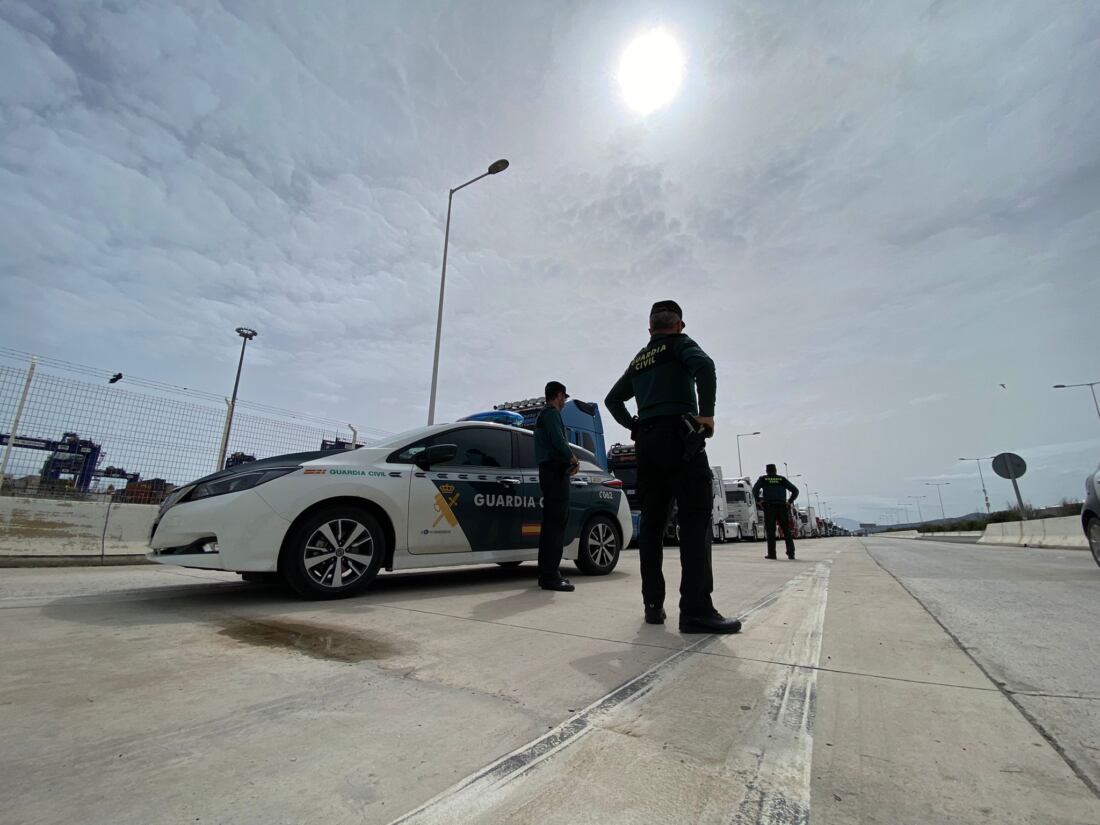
[[436, 454]]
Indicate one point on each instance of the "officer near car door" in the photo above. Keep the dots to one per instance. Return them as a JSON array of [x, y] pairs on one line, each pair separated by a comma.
[[556, 464], [771, 489], [668, 430]]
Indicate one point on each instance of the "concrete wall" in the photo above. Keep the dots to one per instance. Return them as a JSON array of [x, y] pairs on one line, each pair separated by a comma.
[[46, 527], [1064, 531]]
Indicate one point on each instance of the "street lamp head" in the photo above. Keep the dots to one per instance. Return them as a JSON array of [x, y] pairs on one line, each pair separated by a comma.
[[498, 166], [757, 432], [1059, 386], [247, 333]]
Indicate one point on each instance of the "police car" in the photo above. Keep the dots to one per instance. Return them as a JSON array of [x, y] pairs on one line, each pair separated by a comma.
[[327, 523]]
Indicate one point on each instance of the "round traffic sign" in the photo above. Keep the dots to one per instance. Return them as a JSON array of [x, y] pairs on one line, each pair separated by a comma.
[[1009, 465]]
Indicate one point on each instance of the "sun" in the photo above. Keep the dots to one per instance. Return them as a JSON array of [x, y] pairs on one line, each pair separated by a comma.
[[651, 71]]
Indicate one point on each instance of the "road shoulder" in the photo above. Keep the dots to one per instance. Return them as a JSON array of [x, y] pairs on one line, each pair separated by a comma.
[[909, 729]]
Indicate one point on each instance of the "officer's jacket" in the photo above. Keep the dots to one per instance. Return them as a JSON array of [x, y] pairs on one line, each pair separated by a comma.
[[774, 489], [663, 377], [550, 443]]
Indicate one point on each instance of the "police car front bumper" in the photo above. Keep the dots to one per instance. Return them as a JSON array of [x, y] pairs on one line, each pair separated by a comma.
[[237, 532]]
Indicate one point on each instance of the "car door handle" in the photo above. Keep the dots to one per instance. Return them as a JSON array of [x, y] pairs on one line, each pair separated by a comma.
[[510, 480], [579, 482]]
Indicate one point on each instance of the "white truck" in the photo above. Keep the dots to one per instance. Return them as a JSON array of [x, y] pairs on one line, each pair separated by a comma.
[[719, 512], [742, 521]]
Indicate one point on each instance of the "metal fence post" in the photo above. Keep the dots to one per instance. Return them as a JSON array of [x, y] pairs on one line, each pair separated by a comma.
[[14, 431], [225, 436]]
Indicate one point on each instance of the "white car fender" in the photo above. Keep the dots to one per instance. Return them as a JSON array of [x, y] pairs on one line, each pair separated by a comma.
[[386, 486]]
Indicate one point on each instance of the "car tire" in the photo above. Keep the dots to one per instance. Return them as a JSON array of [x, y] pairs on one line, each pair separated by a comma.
[[509, 563], [600, 546], [310, 563], [1092, 530]]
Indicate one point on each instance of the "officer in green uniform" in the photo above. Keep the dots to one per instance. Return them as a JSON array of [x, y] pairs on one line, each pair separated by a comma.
[[556, 463], [771, 489], [663, 377]]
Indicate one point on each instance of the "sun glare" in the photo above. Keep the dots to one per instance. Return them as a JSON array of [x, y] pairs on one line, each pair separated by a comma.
[[650, 71]]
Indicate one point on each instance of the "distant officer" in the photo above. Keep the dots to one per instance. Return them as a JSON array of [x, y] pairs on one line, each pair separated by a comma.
[[772, 490], [556, 463], [663, 377]]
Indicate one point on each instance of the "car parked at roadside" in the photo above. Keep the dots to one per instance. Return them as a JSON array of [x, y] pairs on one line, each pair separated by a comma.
[[327, 523]]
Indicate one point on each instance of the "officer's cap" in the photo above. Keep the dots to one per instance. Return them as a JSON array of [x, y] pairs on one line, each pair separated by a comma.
[[553, 388], [667, 306]]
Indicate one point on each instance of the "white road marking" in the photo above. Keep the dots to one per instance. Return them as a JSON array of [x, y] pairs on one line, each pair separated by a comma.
[[777, 791], [477, 793]]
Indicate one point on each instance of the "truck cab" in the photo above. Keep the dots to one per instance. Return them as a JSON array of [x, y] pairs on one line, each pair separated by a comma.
[[583, 425], [743, 520]]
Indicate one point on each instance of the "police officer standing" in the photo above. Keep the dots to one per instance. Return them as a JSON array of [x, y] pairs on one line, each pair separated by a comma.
[[772, 490], [663, 377], [556, 463]]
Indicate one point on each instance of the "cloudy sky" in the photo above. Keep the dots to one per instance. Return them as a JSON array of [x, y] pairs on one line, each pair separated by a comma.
[[872, 214]]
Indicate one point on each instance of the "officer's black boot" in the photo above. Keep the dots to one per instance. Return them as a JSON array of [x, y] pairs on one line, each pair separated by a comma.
[[654, 614], [714, 622]]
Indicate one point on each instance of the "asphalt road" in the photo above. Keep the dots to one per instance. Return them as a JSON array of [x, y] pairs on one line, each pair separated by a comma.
[[149, 695], [1029, 618]]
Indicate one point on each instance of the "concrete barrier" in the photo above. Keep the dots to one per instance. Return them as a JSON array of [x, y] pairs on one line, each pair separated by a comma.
[[46, 528], [1064, 531]]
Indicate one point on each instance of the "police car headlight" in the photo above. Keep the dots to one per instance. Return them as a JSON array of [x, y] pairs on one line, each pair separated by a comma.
[[238, 483], [173, 498]]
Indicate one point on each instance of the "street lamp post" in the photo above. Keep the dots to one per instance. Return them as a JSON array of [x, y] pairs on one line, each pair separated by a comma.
[[982, 477], [917, 499], [741, 472], [494, 168], [938, 485], [1092, 388], [247, 335]]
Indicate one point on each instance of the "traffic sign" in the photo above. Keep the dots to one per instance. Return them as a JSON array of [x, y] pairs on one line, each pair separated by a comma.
[[1009, 465]]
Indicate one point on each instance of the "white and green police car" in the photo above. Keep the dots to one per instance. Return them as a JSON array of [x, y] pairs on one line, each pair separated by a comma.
[[327, 523]]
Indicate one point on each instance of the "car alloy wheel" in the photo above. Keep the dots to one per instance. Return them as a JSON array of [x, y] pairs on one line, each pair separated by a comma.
[[599, 547], [339, 553], [333, 553]]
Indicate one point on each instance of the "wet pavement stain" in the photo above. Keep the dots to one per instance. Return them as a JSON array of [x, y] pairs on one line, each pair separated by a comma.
[[317, 641]]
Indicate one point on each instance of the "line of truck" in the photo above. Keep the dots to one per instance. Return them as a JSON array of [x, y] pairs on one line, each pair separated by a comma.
[[736, 514]]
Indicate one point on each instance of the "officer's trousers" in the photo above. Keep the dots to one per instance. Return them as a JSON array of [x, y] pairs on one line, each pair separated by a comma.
[[663, 475], [554, 481], [778, 514]]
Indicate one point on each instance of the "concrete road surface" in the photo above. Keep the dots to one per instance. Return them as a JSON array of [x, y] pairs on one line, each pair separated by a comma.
[[149, 695], [1030, 618]]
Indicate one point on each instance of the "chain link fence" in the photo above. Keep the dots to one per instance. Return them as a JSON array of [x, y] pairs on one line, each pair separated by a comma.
[[66, 438]]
